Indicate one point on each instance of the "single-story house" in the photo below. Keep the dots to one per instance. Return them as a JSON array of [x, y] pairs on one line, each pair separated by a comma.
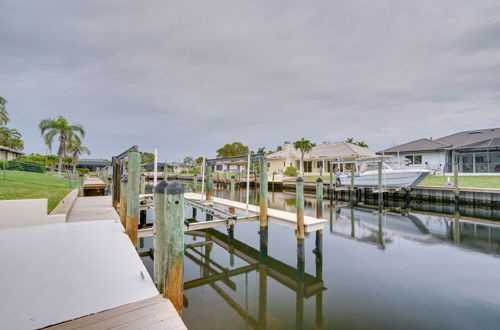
[[92, 164], [314, 162], [476, 151], [174, 167], [9, 153]]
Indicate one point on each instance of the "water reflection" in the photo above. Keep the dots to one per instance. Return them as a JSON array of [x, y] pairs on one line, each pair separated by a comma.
[[383, 269]]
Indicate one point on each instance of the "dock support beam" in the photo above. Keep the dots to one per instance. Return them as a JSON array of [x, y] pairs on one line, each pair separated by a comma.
[[169, 242], [134, 160], [299, 203], [263, 193], [209, 181], [123, 200]]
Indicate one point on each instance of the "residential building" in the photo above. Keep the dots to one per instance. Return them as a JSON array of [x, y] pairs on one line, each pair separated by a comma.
[[475, 152], [9, 153], [92, 164]]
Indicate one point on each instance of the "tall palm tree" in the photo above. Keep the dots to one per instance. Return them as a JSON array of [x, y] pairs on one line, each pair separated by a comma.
[[76, 149], [361, 144], [11, 138], [4, 115], [305, 146], [50, 128]]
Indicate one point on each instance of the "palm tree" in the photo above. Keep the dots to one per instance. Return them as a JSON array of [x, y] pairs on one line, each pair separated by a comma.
[[50, 128], [4, 115], [261, 150], [279, 148], [11, 138], [76, 149], [361, 144], [350, 140], [305, 146]]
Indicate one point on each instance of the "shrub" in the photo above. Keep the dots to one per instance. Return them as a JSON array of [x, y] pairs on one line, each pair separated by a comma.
[[16, 166], [291, 171], [82, 170]]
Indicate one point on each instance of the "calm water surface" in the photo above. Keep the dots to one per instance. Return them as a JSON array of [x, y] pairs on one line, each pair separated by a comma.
[[377, 271]]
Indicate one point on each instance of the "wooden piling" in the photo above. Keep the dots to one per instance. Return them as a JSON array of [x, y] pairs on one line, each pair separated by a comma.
[[174, 244], [134, 160], [319, 198], [233, 188], [330, 188], [380, 193], [123, 200], [160, 240], [143, 183], [456, 189], [299, 204], [115, 181], [208, 181], [263, 192], [351, 188], [195, 182], [81, 187]]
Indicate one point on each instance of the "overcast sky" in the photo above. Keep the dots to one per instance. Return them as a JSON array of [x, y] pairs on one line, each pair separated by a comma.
[[189, 76]]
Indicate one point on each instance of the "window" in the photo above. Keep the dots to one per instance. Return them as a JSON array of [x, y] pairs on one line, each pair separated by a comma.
[[413, 159], [219, 167], [319, 164], [268, 165]]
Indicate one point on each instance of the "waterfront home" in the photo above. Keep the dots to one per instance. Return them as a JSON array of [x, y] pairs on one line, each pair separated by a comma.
[[9, 153], [93, 164], [475, 152], [314, 162]]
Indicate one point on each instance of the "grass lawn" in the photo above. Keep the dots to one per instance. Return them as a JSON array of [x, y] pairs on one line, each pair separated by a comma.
[[464, 181], [27, 185]]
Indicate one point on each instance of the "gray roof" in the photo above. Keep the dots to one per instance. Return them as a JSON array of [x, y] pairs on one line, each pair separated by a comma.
[[454, 141], [486, 144], [96, 162], [11, 150], [327, 150]]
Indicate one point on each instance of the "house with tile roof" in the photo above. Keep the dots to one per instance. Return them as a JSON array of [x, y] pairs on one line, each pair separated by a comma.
[[475, 152]]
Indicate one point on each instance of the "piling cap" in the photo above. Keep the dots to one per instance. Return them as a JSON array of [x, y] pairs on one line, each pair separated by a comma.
[[319, 180], [124, 178], [300, 179], [174, 188], [160, 187]]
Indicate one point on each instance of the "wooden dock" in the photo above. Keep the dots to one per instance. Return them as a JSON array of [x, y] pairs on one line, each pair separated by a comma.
[[93, 187], [92, 208], [151, 313]]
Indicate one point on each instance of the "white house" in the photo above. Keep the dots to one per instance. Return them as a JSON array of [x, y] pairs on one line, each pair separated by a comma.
[[9, 154], [475, 152]]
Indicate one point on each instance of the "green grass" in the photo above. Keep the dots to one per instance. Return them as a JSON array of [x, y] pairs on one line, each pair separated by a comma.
[[27, 185], [464, 181]]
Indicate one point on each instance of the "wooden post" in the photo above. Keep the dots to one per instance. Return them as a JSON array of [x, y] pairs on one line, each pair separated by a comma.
[[330, 188], [171, 240], [195, 212], [351, 190], [195, 182], [81, 185], [143, 183], [233, 188], [456, 189], [116, 182], [319, 198], [230, 229], [134, 159], [160, 240], [299, 204], [273, 181], [123, 200], [380, 193], [263, 192], [209, 181]]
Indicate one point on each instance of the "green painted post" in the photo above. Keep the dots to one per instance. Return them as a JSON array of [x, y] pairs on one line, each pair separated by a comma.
[[173, 244], [81, 185], [263, 193], [160, 240], [299, 203], [123, 200], [209, 181], [134, 161], [380, 193]]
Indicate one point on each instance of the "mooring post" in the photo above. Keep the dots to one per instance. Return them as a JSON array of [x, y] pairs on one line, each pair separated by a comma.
[[299, 203], [81, 182], [209, 181], [380, 193], [134, 160], [273, 181], [456, 189], [319, 214], [233, 187], [330, 187], [195, 182], [263, 192], [123, 200], [195, 211], [352, 196], [174, 228], [456, 226], [143, 184], [116, 182]]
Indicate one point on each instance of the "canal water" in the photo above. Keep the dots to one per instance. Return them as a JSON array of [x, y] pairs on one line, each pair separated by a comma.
[[384, 270]]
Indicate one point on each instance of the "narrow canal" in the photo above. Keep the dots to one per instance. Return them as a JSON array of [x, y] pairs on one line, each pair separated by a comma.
[[377, 271]]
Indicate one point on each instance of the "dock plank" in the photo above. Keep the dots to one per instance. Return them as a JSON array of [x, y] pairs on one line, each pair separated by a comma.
[[152, 313], [92, 208]]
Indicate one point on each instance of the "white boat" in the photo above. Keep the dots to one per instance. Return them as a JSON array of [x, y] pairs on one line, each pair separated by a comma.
[[391, 177]]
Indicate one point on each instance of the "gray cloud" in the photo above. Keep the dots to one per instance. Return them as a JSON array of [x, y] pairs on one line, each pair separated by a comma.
[[189, 76]]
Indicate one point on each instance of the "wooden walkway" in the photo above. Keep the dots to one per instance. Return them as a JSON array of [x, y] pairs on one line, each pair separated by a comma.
[[93, 183], [151, 313], [92, 208]]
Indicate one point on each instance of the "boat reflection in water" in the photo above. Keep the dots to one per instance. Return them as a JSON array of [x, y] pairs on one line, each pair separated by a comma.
[[375, 270]]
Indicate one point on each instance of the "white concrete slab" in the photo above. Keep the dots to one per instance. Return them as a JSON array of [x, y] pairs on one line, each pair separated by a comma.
[[26, 212], [54, 273]]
